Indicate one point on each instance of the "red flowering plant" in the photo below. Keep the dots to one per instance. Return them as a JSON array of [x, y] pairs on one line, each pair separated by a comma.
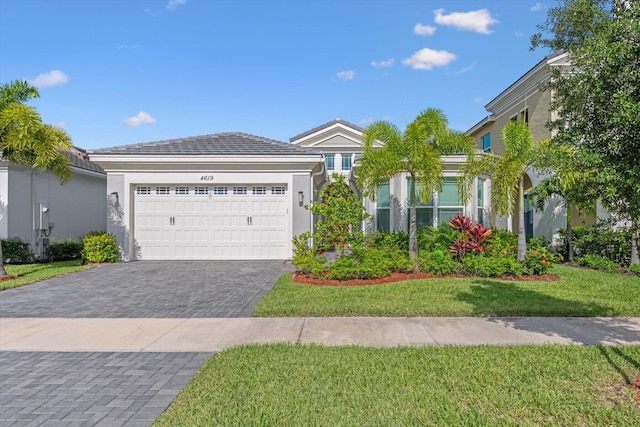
[[473, 237]]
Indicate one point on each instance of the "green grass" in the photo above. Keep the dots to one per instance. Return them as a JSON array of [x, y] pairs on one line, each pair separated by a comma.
[[29, 273], [578, 292], [293, 385]]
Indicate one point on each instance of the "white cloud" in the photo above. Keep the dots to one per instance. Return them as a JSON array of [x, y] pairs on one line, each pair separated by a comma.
[[141, 119], [466, 69], [424, 30], [426, 59], [346, 75], [381, 64], [538, 6], [477, 20], [518, 34], [172, 4], [61, 124], [366, 121], [52, 78]]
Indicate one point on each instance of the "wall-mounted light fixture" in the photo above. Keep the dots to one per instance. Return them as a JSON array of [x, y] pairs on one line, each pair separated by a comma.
[[115, 194], [300, 198]]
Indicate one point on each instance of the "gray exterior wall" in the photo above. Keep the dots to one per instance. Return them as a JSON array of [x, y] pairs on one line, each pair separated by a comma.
[[301, 217], [115, 212]]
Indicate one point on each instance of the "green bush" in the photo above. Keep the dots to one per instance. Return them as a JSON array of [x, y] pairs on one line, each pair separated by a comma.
[[100, 247], [539, 261], [492, 266], [539, 242], [400, 260], [375, 263], [432, 239], [503, 243], [62, 250], [438, 262], [344, 268], [389, 241], [598, 262], [14, 251], [599, 239], [634, 268]]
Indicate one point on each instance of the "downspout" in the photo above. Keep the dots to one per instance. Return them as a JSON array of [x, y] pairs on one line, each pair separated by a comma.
[[313, 175]]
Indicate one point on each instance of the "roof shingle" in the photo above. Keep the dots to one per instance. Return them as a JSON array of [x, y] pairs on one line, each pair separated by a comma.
[[219, 144]]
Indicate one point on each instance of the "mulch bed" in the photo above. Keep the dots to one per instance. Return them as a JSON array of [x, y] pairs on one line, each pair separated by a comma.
[[3, 278], [398, 277], [635, 386]]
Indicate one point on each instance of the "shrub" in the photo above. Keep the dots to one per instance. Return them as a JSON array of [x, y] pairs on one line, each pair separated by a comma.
[[305, 259], [474, 237], [503, 242], [492, 266], [400, 260], [599, 239], [539, 242], [388, 241], [438, 262], [100, 247], [433, 239], [62, 250], [539, 261], [374, 263], [344, 268], [597, 262], [634, 268], [14, 250]]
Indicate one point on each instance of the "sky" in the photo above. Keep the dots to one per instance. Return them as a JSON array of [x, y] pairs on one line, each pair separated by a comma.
[[122, 72]]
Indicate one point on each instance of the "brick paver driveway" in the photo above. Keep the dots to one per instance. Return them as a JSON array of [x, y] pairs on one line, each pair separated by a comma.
[[120, 389], [149, 289]]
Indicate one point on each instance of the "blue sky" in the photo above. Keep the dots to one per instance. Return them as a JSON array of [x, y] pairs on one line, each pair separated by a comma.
[[128, 71]]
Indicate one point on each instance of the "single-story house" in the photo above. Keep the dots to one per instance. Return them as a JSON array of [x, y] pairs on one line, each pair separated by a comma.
[[36, 208]]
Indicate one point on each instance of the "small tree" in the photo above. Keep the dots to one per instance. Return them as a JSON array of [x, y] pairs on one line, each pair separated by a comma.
[[342, 215], [25, 139]]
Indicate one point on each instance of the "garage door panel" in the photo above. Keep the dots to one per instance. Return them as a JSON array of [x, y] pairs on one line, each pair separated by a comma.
[[216, 222]]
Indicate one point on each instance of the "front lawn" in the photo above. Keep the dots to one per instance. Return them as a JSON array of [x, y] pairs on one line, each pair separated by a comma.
[[578, 292], [29, 273], [293, 385]]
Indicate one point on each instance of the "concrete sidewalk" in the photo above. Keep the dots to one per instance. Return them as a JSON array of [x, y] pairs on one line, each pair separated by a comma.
[[211, 335]]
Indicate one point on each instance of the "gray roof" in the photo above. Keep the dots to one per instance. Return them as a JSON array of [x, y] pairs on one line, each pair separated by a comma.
[[218, 144], [80, 159], [326, 125]]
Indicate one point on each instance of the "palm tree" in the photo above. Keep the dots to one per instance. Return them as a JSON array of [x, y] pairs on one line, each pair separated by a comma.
[[507, 173], [25, 139], [416, 152], [570, 179]]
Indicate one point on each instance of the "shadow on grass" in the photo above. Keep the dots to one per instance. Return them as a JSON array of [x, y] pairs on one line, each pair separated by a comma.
[[609, 353], [497, 298]]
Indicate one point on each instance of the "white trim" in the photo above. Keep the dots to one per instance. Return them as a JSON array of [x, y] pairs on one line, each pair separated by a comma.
[[327, 129]]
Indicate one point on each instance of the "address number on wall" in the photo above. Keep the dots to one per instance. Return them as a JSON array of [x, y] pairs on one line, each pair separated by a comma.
[[206, 178]]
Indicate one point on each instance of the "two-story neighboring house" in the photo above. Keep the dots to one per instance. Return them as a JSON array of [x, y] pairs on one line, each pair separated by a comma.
[[524, 100]]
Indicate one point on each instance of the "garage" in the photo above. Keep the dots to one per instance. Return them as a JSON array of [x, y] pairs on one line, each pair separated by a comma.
[[225, 196], [230, 221]]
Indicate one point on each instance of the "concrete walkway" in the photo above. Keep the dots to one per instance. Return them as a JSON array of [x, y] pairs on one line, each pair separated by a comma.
[[211, 335]]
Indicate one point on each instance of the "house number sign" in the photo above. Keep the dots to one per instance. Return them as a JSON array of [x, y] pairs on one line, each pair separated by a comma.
[[206, 178]]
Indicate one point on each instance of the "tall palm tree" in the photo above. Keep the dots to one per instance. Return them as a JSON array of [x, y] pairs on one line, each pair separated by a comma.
[[570, 179], [507, 173], [416, 152], [25, 139]]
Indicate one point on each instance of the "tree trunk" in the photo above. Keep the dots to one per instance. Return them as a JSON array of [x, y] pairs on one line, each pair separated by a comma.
[[569, 235], [413, 235], [3, 272], [634, 242], [522, 240]]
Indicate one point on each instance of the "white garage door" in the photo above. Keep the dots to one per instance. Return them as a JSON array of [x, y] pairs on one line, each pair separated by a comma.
[[211, 222]]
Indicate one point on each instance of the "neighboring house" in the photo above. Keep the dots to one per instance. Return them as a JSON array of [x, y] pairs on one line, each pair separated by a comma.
[[221, 196], [36, 208], [523, 100]]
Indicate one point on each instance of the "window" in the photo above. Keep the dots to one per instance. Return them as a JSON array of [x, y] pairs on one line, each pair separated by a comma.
[[162, 190], [201, 190], [382, 207], [424, 208], [449, 201], [219, 191], [143, 190], [259, 190], [486, 143], [183, 191], [524, 116], [346, 162], [278, 190], [480, 201], [239, 190], [329, 158]]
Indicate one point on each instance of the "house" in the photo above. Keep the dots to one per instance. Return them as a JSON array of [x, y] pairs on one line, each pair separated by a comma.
[[36, 208], [524, 100], [222, 196]]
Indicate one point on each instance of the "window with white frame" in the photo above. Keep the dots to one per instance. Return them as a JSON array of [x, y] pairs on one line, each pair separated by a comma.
[[330, 159], [382, 207], [449, 201], [182, 191], [486, 143], [480, 201], [279, 190], [346, 161], [239, 190], [202, 191], [163, 191], [259, 190], [220, 191], [143, 191], [424, 208]]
